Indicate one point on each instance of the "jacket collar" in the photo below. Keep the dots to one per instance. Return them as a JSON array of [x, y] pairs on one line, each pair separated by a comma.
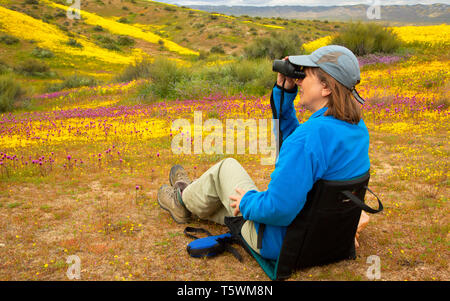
[[319, 112]]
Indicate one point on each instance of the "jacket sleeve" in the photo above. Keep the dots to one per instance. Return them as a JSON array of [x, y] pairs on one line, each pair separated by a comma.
[[288, 122], [296, 170]]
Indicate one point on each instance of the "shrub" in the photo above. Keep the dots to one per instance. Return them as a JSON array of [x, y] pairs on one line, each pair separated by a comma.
[[240, 73], [10, 92], [8, 39], [197, 88], [104, 39], [74, 43], [247, 76], [121, 40], [198, 25], [62, 27], [161, 34], [134, 71], [164, 74], [217, 49], [366, 38], [253, 76], [276, 46], [42, 53], [74, 81], [112, 46], [60, 14], [106, 42], [33, 67], [97, 28], [123, 20], [125, 41], [48, 17]]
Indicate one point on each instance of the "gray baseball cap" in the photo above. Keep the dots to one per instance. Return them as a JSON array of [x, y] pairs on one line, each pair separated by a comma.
[[337, 61]]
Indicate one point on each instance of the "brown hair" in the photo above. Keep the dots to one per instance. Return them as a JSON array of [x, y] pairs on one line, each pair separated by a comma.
[[341, 103]]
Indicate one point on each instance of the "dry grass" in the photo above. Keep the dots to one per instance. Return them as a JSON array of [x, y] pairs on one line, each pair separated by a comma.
[[121, 234]]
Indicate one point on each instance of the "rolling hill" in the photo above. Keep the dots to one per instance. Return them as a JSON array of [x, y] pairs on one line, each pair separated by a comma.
[[409, 14], [112, 34], [37, 36]]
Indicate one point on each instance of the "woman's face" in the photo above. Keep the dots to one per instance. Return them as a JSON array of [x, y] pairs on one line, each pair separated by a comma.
[[313, 93]]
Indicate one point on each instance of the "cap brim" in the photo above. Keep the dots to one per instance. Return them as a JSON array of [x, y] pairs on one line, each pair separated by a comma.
[[302, 60], [358, 97]]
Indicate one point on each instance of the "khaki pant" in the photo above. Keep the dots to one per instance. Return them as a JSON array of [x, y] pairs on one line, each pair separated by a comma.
[[208, 196]]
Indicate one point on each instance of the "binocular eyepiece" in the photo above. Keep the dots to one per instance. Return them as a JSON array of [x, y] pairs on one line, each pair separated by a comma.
[[288, 69]]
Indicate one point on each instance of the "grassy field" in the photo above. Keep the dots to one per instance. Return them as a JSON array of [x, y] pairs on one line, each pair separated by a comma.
[[80, 169]]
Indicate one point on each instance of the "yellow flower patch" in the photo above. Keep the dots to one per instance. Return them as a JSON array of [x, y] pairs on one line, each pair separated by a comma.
[[50, 37], [127, 29], [432, 34]]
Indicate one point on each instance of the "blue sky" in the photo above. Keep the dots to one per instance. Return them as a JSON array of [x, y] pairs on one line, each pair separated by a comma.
[[298, 2]]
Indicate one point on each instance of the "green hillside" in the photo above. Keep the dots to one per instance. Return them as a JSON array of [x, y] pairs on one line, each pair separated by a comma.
[[111, 34]]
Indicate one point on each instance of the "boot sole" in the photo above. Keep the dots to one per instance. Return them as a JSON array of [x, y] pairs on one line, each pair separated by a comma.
[[170, 212]]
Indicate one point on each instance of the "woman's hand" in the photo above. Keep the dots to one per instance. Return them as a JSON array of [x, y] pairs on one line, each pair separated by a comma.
[[237, 201], [290, 82]]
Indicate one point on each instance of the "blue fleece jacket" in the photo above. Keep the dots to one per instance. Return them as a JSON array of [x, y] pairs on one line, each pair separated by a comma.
[[323, 147]]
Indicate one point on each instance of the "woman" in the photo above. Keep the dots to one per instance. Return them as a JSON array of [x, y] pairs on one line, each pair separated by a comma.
[[332, 144]]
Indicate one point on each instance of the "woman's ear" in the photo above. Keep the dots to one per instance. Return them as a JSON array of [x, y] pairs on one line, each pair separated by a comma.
[[325, 90]]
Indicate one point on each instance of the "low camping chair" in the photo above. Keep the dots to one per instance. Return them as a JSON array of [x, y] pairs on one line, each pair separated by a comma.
[[322, 233]]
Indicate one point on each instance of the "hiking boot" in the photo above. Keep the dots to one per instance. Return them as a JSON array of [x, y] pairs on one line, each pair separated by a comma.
[[169, 199], [178, 173]]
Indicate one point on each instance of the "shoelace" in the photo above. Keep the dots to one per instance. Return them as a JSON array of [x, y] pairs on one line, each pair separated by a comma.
[[182, 175], [171, 191]]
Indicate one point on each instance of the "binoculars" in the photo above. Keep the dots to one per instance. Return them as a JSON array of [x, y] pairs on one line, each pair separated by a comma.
[[288, 69]]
